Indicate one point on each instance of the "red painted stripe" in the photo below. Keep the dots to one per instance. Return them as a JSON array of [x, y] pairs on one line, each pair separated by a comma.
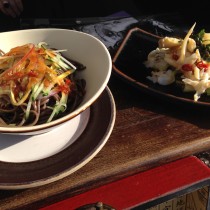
[[142, 187]]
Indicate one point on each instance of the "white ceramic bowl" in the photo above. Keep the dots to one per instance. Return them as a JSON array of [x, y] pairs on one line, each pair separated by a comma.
[[82, 47]]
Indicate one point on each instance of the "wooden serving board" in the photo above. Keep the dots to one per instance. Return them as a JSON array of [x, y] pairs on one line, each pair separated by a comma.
[[148, 132]]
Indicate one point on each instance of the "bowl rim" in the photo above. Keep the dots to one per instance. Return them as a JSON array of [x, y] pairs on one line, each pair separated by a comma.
[[77, 111]]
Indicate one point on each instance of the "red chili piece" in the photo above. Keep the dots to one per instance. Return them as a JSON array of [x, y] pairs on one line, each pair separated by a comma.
[[175, 57], [187, 67], [202, 65]]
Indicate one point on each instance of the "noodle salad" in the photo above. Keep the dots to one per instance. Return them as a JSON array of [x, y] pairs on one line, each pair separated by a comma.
[[185, 62], [37, 85]]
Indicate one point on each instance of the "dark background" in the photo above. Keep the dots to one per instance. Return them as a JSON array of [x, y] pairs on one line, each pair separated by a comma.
[[64, 9]]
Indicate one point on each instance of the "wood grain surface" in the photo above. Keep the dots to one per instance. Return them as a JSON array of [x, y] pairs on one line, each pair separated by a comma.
[[148, 132]]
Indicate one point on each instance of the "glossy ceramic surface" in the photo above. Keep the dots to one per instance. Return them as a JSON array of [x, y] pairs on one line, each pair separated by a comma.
[[19, 175]]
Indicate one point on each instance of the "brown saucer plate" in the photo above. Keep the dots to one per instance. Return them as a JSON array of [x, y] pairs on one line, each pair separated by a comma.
[[89, 143]]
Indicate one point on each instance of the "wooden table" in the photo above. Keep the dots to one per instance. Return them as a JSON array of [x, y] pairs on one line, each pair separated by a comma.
[[147, 133]]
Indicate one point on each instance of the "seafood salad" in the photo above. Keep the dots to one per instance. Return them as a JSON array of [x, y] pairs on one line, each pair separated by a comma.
[[183, 61]]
